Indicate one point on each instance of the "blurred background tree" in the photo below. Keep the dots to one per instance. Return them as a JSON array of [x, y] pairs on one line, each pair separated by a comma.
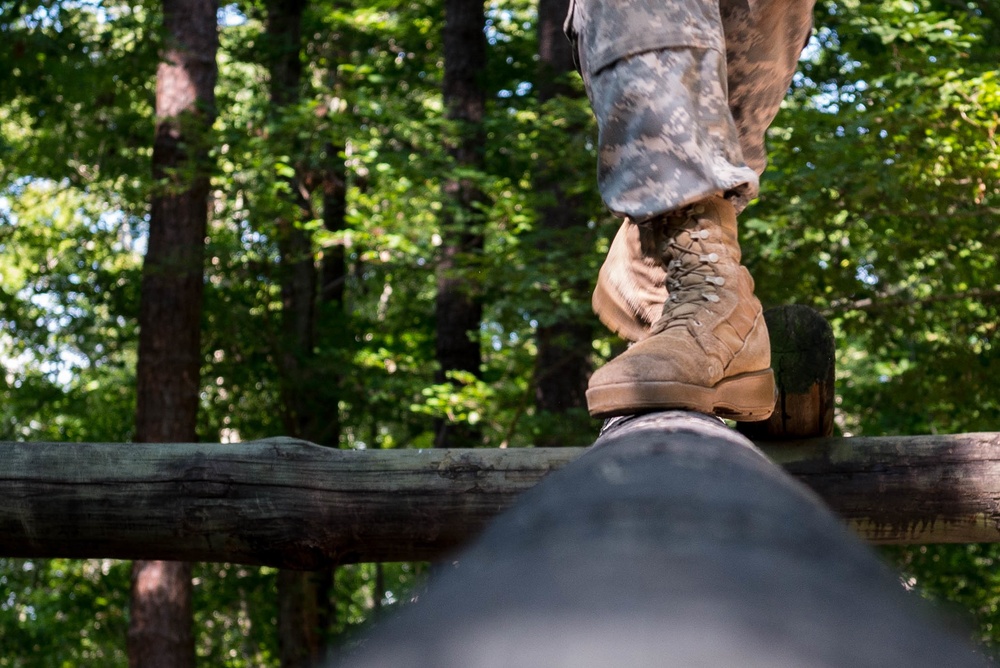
[[333, 162]]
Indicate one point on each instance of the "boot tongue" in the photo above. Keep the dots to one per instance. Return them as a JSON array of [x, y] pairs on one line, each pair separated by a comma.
[[693, 280], [691, 274], [688, 301]]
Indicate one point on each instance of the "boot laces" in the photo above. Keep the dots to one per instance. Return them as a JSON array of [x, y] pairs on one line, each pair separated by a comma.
[[692, 280]]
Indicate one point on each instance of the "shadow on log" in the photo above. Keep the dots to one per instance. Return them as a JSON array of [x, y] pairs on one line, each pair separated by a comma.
[[672, 542]]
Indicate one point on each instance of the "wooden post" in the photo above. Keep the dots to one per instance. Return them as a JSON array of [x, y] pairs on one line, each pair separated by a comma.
[[803, 358], [672, 542]]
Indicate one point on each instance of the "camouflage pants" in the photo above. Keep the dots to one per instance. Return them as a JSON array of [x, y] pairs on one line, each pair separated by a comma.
[[684, 91]]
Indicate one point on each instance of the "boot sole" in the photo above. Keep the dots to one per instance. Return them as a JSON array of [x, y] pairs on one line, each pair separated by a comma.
[[623, 323], [748, 397]]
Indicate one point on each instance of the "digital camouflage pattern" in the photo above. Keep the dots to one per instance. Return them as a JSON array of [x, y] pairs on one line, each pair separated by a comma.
[[683, 92], [709, 351], [667, 138]]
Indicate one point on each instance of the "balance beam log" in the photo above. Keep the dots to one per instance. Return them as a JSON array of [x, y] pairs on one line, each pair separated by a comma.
[[672, 542]]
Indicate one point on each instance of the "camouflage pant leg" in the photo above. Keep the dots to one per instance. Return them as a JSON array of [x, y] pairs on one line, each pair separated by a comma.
[[763, 42], [683, 91]]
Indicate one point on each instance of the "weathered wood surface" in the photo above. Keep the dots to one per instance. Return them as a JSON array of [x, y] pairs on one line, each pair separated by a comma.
[[279, 502], [803, 355], [904, 489], [674, 542], [290, 503]]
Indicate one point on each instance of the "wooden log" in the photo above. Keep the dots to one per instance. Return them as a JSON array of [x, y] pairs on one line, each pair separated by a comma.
[[803, 358], [292, 504], [279, 502], [904, 489], [673, 542]]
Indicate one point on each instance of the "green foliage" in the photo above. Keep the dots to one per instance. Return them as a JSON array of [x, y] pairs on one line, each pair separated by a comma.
[[366, 592], [961, 579], [881, 210], [63, 612]]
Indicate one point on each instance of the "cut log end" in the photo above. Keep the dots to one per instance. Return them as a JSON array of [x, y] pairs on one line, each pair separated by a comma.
[[803, 358]]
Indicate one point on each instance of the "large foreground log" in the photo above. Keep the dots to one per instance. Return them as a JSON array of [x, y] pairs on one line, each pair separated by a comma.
[[289, 503], [674, 542]]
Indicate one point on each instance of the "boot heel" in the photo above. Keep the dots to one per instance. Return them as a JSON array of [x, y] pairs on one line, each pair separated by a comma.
[[748, 397]]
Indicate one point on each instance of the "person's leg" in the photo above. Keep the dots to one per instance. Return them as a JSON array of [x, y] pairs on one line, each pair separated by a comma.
[[763, 40], [655, 73], [671, 160]]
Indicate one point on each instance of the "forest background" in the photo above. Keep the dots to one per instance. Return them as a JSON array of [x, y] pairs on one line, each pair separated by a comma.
[[403, 233]]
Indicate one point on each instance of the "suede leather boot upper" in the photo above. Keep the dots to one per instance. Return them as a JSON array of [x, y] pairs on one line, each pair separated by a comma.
[[631, 286], [709, 351]]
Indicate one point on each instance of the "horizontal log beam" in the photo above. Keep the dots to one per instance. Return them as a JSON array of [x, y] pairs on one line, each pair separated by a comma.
[[290, 503], [896, 490], [280, 502]]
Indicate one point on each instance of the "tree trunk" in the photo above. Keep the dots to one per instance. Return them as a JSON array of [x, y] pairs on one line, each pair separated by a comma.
[[555, 53], [160, 632], [673, 542], [304, 616], [309, 389], [562, 366], [297, 270], [304, 603], [458, 308]]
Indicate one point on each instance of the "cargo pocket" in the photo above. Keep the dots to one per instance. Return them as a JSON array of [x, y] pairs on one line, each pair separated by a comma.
[[605, 31]]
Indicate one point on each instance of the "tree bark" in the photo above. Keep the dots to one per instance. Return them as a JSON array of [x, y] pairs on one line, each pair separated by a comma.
[[279, 502], [555, 52], [673, 542], [293, 504], [297, 269], [562, 365], [304, 616], [160, 620], [458, 308], [309, 396]]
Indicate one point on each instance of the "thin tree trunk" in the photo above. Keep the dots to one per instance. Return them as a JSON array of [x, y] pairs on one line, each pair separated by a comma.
[[304, 616], [555, 53], [458, 308], [562, 366], [160, 632], [309, 390], [297, 270]]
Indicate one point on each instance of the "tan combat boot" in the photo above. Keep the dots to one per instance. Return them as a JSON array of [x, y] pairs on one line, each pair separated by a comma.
[[631, 286], [709, 351]]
